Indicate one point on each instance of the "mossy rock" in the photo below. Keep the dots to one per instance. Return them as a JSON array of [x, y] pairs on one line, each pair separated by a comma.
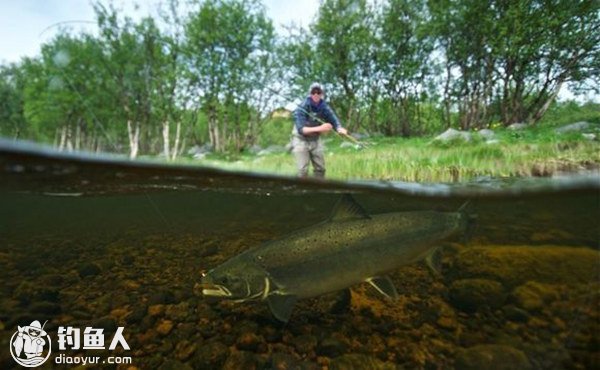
[[515, 265], [360, 362], [533, 296], [492, 356], [471, 294]]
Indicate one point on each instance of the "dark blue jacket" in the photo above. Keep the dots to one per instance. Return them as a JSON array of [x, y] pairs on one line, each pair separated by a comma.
[[308, 114]]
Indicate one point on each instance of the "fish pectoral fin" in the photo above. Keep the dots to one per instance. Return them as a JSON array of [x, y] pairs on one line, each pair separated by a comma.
[[281, 305], [434, 262], [347, 209], [384, 286]]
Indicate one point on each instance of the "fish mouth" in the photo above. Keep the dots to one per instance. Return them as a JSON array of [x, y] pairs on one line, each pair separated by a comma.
[[215, 290]]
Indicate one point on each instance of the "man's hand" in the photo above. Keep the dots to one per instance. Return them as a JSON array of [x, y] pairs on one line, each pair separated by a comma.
[[342, 131], [317, 130], [326, 127]]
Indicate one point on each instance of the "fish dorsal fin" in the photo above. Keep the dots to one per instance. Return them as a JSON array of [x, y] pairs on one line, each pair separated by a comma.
[[347, 209], [281, 305], [384, 285]]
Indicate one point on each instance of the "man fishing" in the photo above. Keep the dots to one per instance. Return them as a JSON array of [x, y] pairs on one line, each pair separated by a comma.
[[312, 118]]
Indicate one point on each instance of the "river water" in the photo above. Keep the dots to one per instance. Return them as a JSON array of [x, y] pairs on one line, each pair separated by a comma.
[[104, 243]]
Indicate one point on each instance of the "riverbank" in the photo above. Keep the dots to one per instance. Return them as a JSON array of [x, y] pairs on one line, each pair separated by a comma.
[[518, 152]]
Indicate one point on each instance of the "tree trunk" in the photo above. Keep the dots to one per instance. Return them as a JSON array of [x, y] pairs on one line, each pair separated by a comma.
[[540, 112], [176, 144], [447, 119], [134, 138], [63, 139], [166, 142]]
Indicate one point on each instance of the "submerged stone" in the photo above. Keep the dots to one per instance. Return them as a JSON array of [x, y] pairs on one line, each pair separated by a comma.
[[241, 360], [533, 296], [492, 356], [360, 362], [89, 269], [515, 265], [471, 294]]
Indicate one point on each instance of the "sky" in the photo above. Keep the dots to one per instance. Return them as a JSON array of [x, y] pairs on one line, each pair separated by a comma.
[[26, 24]]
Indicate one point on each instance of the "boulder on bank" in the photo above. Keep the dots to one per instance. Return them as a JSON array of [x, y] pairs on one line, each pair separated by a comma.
[[199, 152], [487, 134], [452, 134], [574, 127], [517, 126]]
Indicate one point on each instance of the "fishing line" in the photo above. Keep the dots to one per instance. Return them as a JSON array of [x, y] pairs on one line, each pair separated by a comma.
[[157, 210], [95, 119]]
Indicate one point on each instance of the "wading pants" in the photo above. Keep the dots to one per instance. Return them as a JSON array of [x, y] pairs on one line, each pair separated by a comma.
[[307, 151]]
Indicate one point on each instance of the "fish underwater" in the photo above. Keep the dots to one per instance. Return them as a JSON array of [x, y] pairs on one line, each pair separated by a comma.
[[348, 248]]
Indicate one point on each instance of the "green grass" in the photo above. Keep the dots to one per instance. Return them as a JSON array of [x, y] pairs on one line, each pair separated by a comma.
[[532, 152]]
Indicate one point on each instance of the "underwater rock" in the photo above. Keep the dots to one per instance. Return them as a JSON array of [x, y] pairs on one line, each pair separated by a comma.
[[47, 308], [304, 344], [331, 347], [137, 314], [515, 265], [184, 350], [211, 355], [492, 356], [515, 314], [178, 312], [164, 327], [107, 323], [156, 310], [52, 279], [248, 341], [171, 364], [241, 360], [533, 296], [27, 292], [360, 362], [88, 269], [161, 297], [470, 294], [283, 361]]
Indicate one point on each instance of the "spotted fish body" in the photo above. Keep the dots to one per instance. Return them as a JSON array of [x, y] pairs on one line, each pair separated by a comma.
[[349, 248]]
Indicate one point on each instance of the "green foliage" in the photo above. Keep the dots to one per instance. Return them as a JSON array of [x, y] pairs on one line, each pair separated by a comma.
[[227, 49], [562, 113], [275, 131], [12, 119], [394, 68]]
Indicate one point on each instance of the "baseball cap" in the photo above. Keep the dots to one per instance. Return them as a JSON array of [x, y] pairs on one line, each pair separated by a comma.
[[315, 86]]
